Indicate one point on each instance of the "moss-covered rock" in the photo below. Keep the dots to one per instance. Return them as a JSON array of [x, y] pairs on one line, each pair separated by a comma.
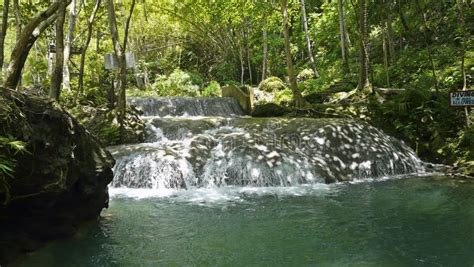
[[60, 182], [103, 124], [272, 84], [269, 110]]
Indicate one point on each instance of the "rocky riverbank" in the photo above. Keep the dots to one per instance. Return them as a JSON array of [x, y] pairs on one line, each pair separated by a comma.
[[60, 181]]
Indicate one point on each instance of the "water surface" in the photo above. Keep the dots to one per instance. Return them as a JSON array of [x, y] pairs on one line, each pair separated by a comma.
[[427, 221]]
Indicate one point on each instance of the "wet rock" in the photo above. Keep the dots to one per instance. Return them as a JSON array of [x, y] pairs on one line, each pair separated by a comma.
[[269, 110], [60, 182]]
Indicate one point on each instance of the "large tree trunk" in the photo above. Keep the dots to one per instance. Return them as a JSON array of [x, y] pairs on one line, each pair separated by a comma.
[[364, 83], [73, 12], [85, 45], [27, 38], [265, 54], [308, 40], [3, 33], [342, 36], [298, 98], [56, 79]]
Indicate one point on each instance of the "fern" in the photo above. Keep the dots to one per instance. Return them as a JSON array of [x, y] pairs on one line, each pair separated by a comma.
[[9, 147]]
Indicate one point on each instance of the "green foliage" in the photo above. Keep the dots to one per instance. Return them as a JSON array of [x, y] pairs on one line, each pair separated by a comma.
[[178, 83], [305, 74], [466, 144], [272, 84], [213, 89], [284, 97], [9, 146], [425, 120]]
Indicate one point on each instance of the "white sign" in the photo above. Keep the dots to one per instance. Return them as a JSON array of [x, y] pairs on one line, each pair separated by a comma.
[[111, 61], [462, 98]]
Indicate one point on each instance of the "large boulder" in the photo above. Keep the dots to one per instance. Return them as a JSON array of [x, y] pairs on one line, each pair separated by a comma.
[[58, 183]]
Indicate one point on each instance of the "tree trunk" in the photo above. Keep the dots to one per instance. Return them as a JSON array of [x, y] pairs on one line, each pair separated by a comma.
[[145, 10], [247, 48], [242, 65], [3, 33], [388, 26], [16, 9], [265, 54], [342, 36], [120, 53], [121, 79], [56, 79], [385, 58], [308, 40], [28, 36], [364, 83], [298, 98], [428, 45], [85, 45], [462, 24], [73, 12]]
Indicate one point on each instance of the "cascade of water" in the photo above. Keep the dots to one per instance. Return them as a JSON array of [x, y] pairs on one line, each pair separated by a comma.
[[187, 106], [217, 151]]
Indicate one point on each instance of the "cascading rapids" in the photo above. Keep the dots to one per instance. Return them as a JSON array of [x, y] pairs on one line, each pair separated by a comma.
[[185, 152]]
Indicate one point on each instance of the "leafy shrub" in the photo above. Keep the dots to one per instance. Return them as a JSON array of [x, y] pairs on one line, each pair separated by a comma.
[[178, 83], [305, 74], [8, 148], [425, 120], [284, 97], [213, 89], [272, 84]]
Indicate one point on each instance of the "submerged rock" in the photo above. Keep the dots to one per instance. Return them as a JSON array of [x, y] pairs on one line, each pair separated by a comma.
[[60, 182]]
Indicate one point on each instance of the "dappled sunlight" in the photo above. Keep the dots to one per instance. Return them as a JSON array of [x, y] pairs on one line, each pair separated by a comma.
[[212, 152]]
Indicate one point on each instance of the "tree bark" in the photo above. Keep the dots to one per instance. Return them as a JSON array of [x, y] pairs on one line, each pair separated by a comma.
[[364, 83], [120, 53], [56, 79], [73, 12], [308, 40], [385, 58], [388, 26], [85, 45], [242, 65], [265, 53], [3, 34], [342, 36], [27, 38], [462, 26], [428, 45], [298, 98], [16, 9], [247, 48]]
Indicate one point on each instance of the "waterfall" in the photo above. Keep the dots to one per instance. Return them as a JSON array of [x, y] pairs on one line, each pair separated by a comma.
[[219, 148], [187, 106]]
